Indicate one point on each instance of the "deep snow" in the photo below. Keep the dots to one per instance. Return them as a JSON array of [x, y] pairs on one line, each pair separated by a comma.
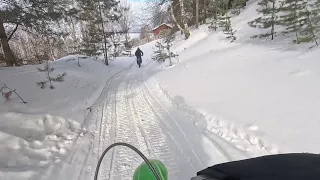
[[220, 102], [71, 98], [44, 131], [267, 89]]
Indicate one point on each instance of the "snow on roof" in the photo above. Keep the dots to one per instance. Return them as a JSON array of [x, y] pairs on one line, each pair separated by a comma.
[[161, 25]]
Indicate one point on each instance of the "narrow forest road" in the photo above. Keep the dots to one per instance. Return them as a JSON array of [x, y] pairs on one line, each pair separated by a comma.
[[129, 110]]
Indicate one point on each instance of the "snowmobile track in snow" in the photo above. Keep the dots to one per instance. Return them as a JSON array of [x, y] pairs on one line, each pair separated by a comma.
[[81, 157], [107, 132], [150, 127], [128, 111], [137, 123], [157, 103]]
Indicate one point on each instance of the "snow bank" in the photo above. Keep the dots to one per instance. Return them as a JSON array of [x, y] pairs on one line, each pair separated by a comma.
[[42, 133], [70, 99], [268, 90], [33, 141]]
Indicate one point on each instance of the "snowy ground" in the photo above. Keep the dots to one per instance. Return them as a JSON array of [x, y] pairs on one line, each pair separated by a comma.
[[130, 109], [268, 90], [223, 101]]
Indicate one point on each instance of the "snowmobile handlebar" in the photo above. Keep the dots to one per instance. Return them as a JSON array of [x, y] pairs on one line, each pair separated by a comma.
[[131, 147]]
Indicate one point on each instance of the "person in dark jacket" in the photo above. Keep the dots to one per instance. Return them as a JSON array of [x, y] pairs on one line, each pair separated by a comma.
[[138, 54]]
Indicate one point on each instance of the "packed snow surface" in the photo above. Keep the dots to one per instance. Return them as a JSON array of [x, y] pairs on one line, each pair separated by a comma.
[[219, 102], [268, 89]]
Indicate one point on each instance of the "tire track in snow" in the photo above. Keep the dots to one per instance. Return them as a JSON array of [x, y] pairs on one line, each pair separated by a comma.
[[107, 132], [97, 144], [157, 104], [82, 153], [155, 139], [125, 160], [144, 146]]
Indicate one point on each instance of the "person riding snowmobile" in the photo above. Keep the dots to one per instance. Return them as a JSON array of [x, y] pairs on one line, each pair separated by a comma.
[[138, 54], [295, 166], [292, 166]]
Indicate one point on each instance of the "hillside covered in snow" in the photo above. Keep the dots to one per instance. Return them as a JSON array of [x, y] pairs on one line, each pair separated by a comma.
[[225, 96], [268, 89]]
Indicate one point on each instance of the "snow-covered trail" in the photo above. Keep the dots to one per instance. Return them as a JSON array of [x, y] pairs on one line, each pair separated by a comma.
[[132, 110]]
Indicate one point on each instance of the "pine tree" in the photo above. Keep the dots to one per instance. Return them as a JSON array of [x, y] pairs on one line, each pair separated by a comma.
[[95, 15], [214, 24], [315, 12], [229, 30], [315, 18], [237, 5], [163, 51], [269, 18], [48, 69], [168, 45], [225, 22], [308, 33], [221, 19], [310, 30], [91, 35], [159, 54], [216, 9], [295, 18], [91, 41]]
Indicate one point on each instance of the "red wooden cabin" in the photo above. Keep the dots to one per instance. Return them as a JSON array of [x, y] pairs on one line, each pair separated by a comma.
[[161, 27]]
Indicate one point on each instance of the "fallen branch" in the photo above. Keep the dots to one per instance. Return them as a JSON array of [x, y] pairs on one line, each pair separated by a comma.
[[13, 90]]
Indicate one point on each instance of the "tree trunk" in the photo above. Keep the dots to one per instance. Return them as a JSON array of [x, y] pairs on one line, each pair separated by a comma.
[[183, 19], [8, 55], [178, 23], [204, 8], [197, 13], [104, 38], [194, 12], [177, 15], [273, 19]]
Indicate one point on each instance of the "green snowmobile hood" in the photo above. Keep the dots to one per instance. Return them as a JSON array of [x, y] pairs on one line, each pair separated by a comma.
[[143, 172]]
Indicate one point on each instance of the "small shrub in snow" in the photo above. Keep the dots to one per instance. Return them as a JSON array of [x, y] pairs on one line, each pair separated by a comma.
[[7, 92], [78, 59], [47, 69], [237, 5], [292, 18], [163, 51], [214, 24], [302, 19], [224, 21], [269, 18]]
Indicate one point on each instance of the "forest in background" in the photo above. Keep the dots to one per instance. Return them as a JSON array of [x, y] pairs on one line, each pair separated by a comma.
[[33, 31]]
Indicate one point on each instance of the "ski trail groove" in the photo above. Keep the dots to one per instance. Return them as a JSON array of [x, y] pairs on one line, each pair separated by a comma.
[[158, 109], [125, 160], [216, 144], [157, 140], [107, 132], [82, 153], [151, 96], [144, 146], [108, 121]]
